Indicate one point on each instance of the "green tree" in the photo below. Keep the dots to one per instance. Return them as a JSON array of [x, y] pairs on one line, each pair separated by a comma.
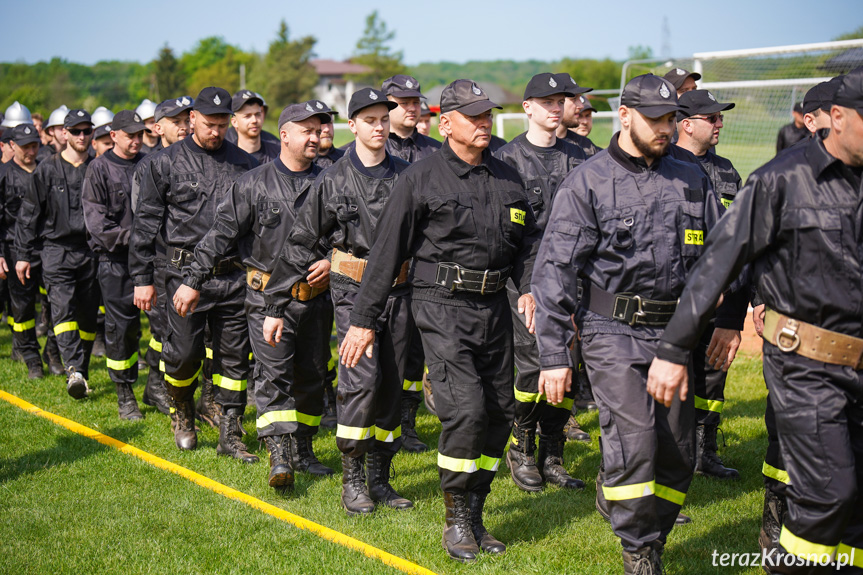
[[170, 80], [858, 33], [214, 62], [373, 51], [639, 52], [284, 75]]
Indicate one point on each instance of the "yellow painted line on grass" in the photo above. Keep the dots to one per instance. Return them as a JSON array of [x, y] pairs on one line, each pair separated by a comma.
[[286, 516]]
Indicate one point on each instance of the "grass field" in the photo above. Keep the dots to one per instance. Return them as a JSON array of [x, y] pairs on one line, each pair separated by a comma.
[[71, 505]]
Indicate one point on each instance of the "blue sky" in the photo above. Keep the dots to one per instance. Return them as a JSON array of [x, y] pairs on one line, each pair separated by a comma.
[[86, 31]]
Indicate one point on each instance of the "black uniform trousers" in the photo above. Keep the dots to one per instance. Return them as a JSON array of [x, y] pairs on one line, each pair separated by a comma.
[[222, 309], [412, 388], [368, 394], [647, 448], [122, 321], [708, 383], [468, 345], [23, 302], [819, 418], [773, 470], [288, 392], [157, 319], [531, 406], [70, 279]]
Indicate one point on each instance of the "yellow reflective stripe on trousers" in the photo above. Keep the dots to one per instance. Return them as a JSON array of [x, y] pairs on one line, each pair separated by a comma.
[[773, 473], [527, 397], [853, 555], [669, 494], [19, 327], [208, 353], [713, 405], [87, 336], [228, 383], [155, 344], [43, 291], [802, 548], [287, 416], [10, 321], [468, 465], [179, 382], [121, 364], [388, 436], [355, 433], [102, 310], [412, 385], [634, 491], [65, 326]]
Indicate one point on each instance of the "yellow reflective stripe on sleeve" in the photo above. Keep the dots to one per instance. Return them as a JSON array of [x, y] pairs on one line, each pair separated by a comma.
[[412, 385], [209, 353], [355, 433], [228, 383], [669, 494], [179, 382], [468, 465], [121, 364], [852, 555], [65, 326], [156, 345], [694, 237], [87, 335], [517, 216], [388, 436], [287, 416], [802, 548], [634, 491], [19, 327], [714, 405], [43, 291], [774, 473]]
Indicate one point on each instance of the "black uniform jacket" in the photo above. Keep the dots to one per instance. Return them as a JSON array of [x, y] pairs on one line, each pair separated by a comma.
[[344, 209], [51, 208], [14, 183], [788, 135], [586, 144], [625, 227], [541, 170], [446, 210], [180, 189], [108, 205], [331, 158], [256, 216], [799, 219]]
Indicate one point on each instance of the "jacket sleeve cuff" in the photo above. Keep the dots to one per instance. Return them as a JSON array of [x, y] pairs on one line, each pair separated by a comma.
[[142, 280], [274, 311], [670, 352], [363, 321], [192, 281], [555, 361], [730, 322]]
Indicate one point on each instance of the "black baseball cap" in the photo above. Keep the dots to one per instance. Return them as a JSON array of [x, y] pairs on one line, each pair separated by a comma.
[[677, 76], [173, 107], [651, 95], [323, 108], [6, 135], [102, 132], [75, 117], [546, 84], [368, 97], [798, 107], [23, 134], [585, 102], [700, 102], [849, 94], [300, 112], [244, 97], [466, 97], [212, 101], [425, 110], [570, 85], [820, 96], [127, 121], [402, 86]]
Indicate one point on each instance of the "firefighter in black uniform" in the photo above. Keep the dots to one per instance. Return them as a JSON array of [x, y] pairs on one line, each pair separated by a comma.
[[464, 217], [628, 224], [257, 216], [328, 154], [542, 160], [180, 189], [106, 199], [798, 220], [790, 134], [52, 209], [344, 210], [248, 121], [569, 122]]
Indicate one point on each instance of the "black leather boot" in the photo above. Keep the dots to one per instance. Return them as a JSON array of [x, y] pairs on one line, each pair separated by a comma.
[[486, 541], [183, 424], [410, 440], [380, 489], [521, 460], [644, 561], [126, 404], [772, 518], [231, 434], [34, 369], [304, 458], [154, 392], [355, 494], [707, 462], [206, 407], [550, 460], [458, 539], [573, 431], [51, 356], [281, 473]]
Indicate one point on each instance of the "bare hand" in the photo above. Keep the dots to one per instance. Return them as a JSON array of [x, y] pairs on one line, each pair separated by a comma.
[[554, 383], [723, 348], [273, 327], [758, 313], [4, 269], [527, 307], [186, 300], [664, 379], [145, 297], [357, 341], [22, 270], [320, 274]]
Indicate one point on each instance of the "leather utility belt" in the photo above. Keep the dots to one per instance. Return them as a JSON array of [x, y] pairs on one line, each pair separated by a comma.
[[348, 265], [629, 308], [457, 278], [811, 341], [300, 291], [180, 258]]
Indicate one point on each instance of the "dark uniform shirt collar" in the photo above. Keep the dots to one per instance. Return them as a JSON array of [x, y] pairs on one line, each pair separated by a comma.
[[358, 164], [280, 166], [630, 163], [820, 160], [459, 166], [112, 156], [412, 137], [193, 146]]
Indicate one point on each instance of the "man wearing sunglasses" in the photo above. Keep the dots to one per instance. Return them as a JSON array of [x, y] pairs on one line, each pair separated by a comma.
[[51, 210]]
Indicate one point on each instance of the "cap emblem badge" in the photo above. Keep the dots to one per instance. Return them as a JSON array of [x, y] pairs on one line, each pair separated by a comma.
[[26, 130], [709, 95], [552, 83], [246, 95], [319, 106], [476, 90], [582, 100], [179, 103], [186, 101], [409, 84], [217, 100], [373, 96], [137, 118], [679, 72], [664, 91], [309, 108], [80, 113]]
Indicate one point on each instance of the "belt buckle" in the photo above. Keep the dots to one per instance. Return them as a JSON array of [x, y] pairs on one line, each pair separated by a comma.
[[456, 283], [177, 260], [639, 312], [789, 332], [256, 281], [484, 282]]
